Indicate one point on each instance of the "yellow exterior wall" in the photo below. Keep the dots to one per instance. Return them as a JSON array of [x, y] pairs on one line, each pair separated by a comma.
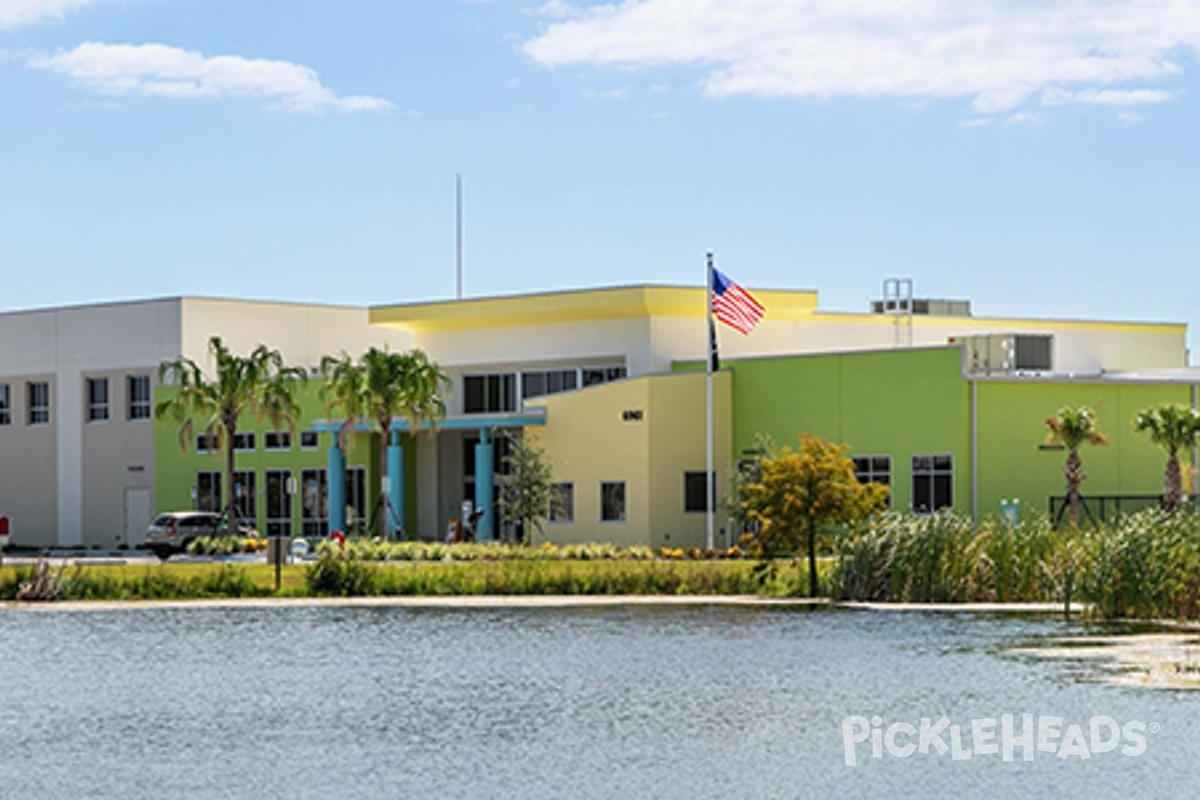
[[588, 439]]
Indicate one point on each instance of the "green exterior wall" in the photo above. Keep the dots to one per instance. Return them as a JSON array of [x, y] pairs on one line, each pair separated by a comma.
[[902, 403], [1012, 417], [176, 470], [899, 403]]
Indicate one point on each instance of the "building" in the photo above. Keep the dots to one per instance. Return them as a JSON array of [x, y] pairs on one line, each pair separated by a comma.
[[946, 407]]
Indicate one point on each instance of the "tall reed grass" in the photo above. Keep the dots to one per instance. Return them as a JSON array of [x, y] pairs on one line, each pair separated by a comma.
[[1146, 565]]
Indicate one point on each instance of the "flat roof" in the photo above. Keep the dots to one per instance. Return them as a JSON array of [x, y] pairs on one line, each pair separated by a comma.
[[577, 305]]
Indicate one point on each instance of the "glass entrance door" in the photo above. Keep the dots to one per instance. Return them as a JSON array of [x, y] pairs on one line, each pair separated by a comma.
[[279, 502]]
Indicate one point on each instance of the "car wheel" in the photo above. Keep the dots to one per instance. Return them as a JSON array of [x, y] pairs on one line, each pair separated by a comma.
[[162, 553]]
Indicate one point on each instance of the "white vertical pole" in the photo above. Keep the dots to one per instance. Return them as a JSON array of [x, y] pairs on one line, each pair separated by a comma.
[[458, 238], [708, 408]]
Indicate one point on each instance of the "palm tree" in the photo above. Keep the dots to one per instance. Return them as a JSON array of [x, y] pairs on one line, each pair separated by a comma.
[[259, 383], [1070, 428], [380, 387], [1172, 427]]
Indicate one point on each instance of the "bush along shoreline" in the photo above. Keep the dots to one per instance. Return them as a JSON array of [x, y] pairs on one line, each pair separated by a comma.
[[1143, 566]]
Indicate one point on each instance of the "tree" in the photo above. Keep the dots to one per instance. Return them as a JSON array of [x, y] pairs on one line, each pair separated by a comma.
[[525, 494], [1172, 427], [799, 493], [1071, 428], [259, 383], [380, 387]]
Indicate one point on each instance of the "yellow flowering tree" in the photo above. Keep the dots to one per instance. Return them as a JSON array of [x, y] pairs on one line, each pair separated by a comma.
[[800, 492]]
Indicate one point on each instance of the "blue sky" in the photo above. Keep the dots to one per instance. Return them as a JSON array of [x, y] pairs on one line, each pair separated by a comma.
[[1038, 158]]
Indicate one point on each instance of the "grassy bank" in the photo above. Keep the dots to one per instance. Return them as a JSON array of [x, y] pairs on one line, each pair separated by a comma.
[[333, 576]]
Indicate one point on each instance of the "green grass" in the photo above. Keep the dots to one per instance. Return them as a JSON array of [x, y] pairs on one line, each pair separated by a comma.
[[335, 576]]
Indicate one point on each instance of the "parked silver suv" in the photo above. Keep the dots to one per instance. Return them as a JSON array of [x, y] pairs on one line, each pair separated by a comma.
[[173, 531]]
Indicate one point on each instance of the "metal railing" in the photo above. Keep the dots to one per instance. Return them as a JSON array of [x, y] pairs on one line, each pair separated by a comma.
[[1098, 508]]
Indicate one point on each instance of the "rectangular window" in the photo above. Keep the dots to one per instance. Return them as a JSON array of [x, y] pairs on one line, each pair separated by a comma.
[[245, 497], [279, 502], [612, 501], [308, 440], [932, 483], [314, 502], [277, 440], [5, 405], [206, 443], [695, 496], [489, 394], [595, 375], [538, 384], [138, 388], [97, 399], [874, 469], [208, 491], [243, 442], [562, 502], [356, 496], [37, 395]]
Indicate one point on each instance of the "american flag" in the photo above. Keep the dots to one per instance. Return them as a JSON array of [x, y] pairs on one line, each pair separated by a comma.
[[733, 305]]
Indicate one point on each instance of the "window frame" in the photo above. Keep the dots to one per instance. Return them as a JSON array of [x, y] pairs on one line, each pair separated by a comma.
[[5, 405], [935, 474], [606, 486], [870, 474], [283, 441], [557, 491], [689, 478], [97, 397], [37, 409], [138, 408]]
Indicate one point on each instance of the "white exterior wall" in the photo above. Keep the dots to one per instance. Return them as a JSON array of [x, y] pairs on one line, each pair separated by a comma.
[[64, 483], [66, 345], [1079, 347]]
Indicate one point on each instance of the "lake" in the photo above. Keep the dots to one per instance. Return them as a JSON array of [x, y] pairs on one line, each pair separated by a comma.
[[618, 701]]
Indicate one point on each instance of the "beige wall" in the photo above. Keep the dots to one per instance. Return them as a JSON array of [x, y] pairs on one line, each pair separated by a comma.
[[588, 440]]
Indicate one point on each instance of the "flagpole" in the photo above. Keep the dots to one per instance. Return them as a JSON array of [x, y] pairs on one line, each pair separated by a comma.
[[708, 408]]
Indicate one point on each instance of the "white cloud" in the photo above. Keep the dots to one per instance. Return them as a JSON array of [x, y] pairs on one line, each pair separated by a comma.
[[157, 70], [999, 54], [14, 13]]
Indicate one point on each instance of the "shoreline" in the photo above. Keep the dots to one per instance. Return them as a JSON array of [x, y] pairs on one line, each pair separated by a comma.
[[539, 601]]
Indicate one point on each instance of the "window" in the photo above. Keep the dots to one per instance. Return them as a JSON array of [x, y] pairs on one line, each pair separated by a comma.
[[314, 501], [874, 469], [97, 399], [279, 502], [277, 440], [594, 375], [537, 384], [245, 499], [5, 405], [208, 491], [308, 440], [562, 502], [932, 483], [243, 442], [612, 501], [695, 496], [484, 394], [206, 443], [37, 393], [356, 496], [138, 389]]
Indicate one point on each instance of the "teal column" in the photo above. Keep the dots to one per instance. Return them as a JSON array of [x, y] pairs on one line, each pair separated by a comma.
[[335, 486], [395, 462], [484, 489]]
